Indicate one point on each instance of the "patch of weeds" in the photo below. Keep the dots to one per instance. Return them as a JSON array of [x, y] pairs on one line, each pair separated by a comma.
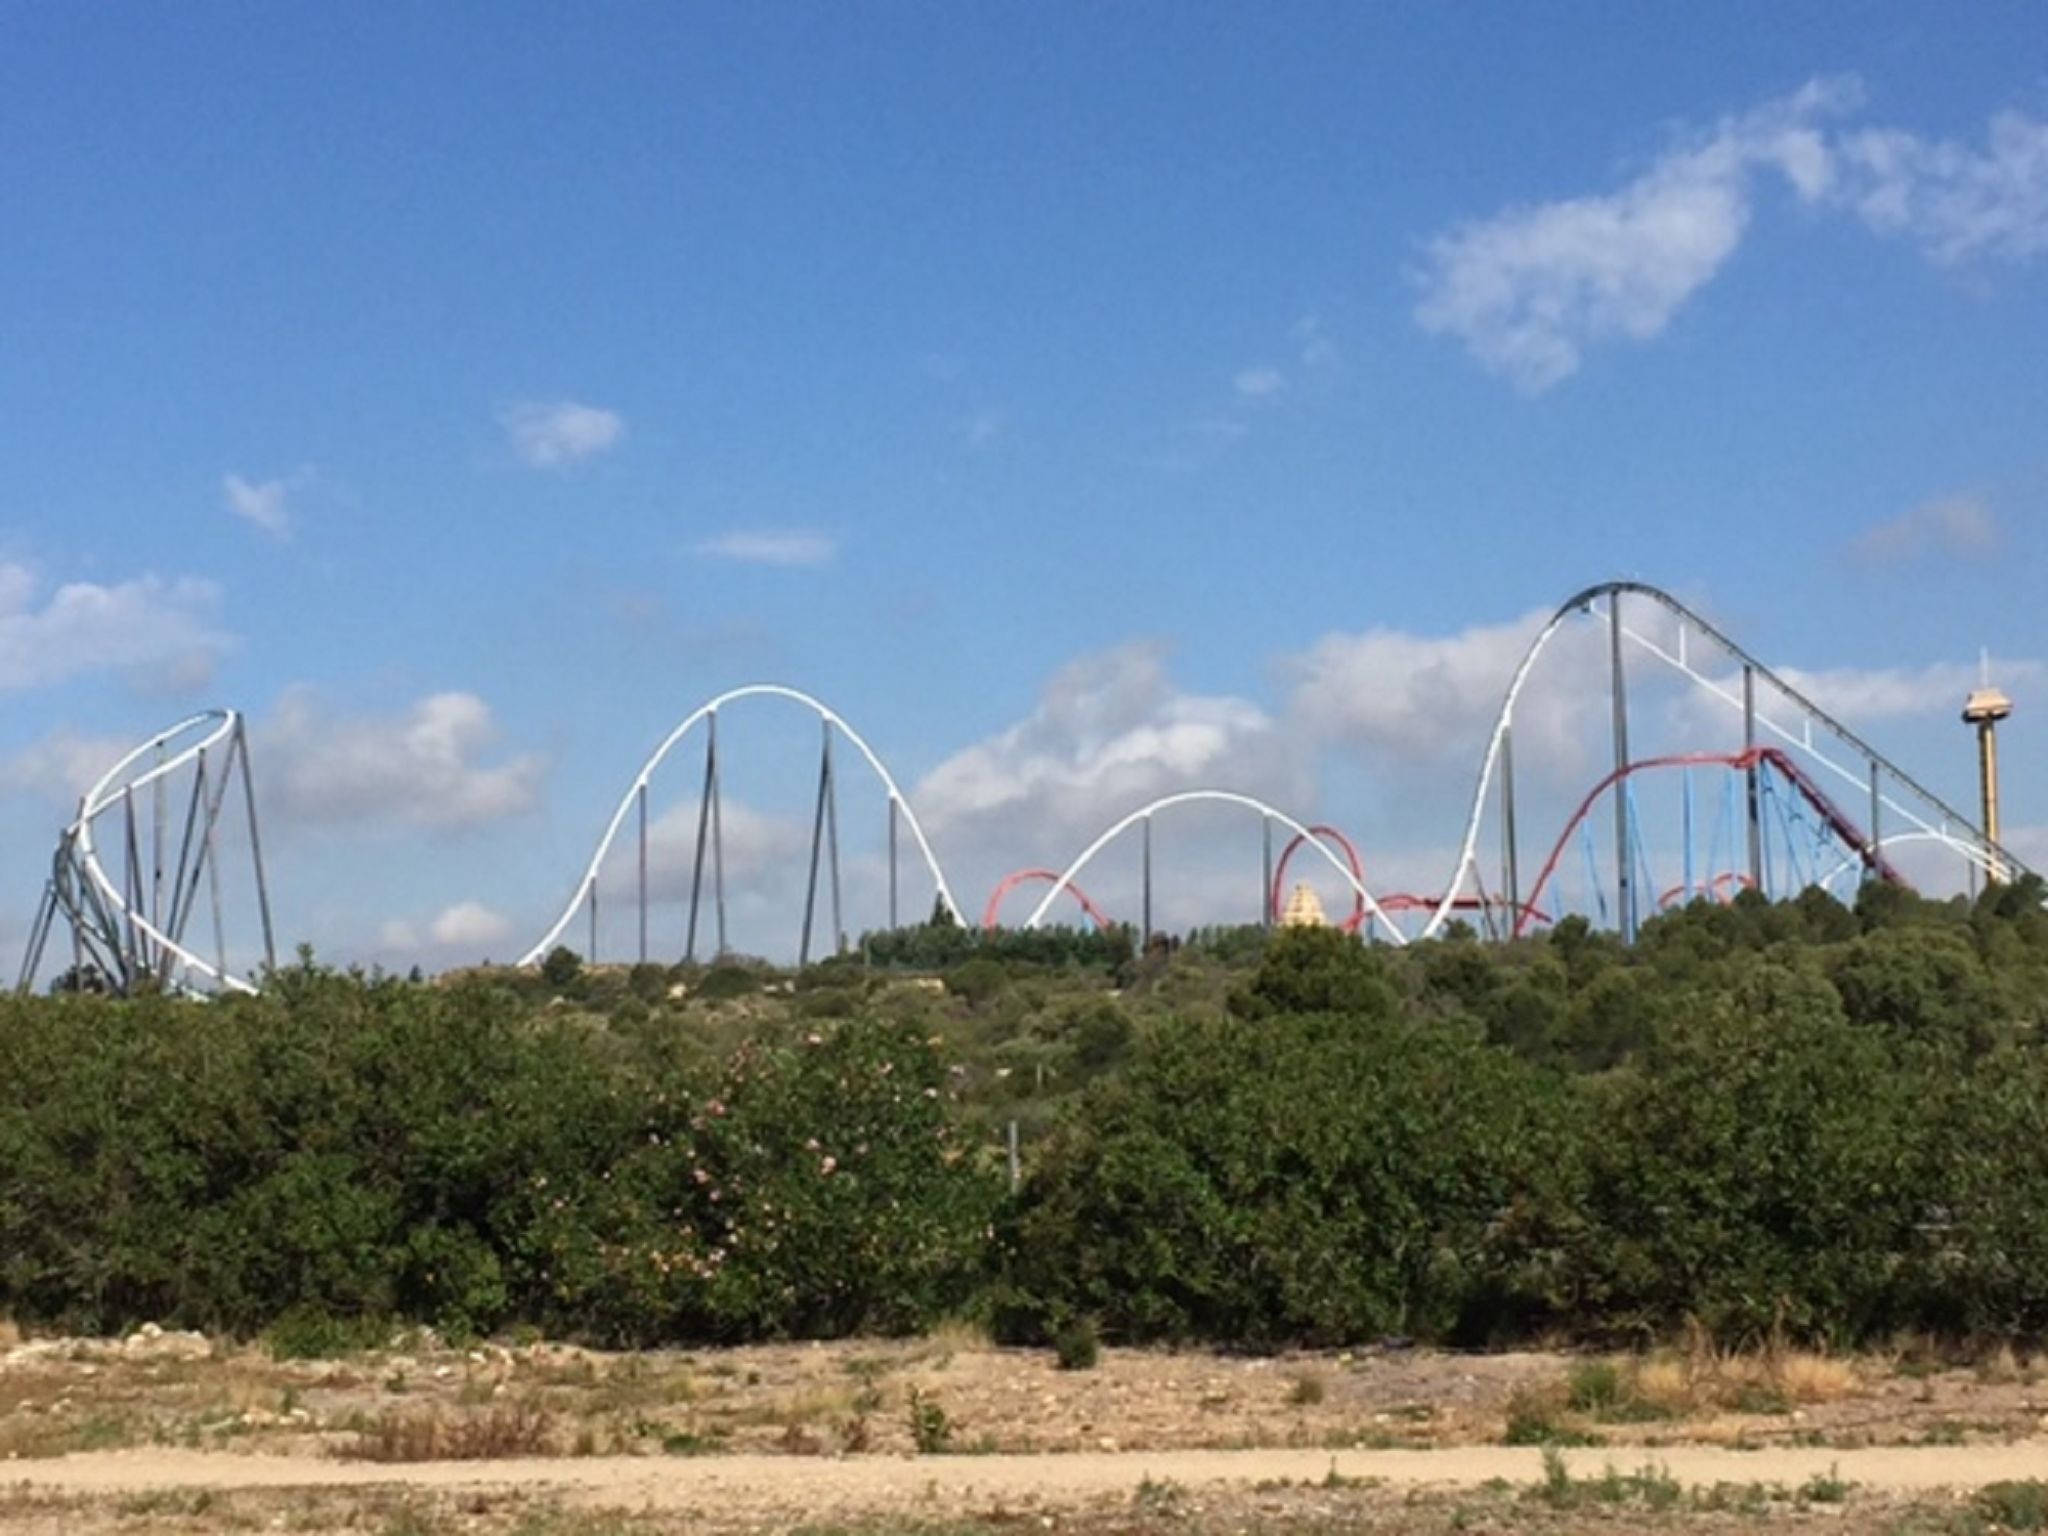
[[1161, 1496], [514, 1430], [1536, 1418], [159, 1502], [305, 1333], [1610, 1393], [1650, 1486], [930, 1429], [1824, 1488], [1946, 1432], [1307, 1391], [1076, 1346], [2016, 1506], [688, 1442]]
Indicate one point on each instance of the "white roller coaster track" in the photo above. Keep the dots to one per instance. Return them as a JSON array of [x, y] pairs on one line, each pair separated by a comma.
[[705, 712], [1468, 862], [115, 788], [1222, 797]]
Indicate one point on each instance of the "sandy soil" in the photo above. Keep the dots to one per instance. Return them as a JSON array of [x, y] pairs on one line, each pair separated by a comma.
[[178, 1433]]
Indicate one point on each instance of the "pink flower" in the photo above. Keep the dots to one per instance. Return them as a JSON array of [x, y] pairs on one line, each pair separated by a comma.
[[828, 1164]]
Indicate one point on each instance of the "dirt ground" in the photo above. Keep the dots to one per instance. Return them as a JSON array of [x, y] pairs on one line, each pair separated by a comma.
[[174, 1432]]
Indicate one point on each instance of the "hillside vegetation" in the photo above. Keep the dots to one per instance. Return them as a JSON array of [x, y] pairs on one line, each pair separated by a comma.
[[1804, 1120]]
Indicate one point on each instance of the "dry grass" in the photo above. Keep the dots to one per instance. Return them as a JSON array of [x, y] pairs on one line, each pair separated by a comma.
[[10, 1332], [511, 1431]]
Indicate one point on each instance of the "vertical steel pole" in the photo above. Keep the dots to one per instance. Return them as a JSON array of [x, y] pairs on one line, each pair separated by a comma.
[[697, 857], [256, 850], [210, 853], [641, 797], [803, 948], [832, 843], [1148, 881], [1876, 838], [135, 961], [892, 862], [156, 893], [1510, 851], [1754, 787], [718, 836], [1268, 897], [1624, 878]]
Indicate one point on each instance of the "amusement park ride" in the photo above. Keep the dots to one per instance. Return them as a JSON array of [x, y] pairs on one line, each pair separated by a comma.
[[128, 872]]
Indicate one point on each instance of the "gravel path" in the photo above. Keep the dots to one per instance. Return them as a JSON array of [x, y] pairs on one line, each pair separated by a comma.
[[769, 1485]]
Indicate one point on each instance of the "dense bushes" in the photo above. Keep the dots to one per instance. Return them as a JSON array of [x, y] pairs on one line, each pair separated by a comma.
[[1803, 1119], [382, 1150]]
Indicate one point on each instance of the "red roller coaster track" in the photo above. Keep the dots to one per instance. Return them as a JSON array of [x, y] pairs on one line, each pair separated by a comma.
[[1277, 905], [1851, 835], [1010, 882]]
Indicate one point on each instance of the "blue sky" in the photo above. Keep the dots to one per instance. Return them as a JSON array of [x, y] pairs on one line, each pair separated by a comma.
[[1086, 401]]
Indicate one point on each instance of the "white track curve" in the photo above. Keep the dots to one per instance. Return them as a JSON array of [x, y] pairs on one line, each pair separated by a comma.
[[112, 788], [1468, 861], [1223, 797], [704, 712]]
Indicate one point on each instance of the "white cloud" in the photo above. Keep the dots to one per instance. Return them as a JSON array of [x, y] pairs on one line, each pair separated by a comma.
[[1946, 525], [1259, 383], [552, 434], [1862, 695], [265, 505], [420, 768], [158, 634], [469, 925], [772, 546], [1954, 202], [1529, 289], [62, 766], [1109, 732]]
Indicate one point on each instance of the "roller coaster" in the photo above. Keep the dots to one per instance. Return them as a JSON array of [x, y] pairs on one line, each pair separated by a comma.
[[1778, 827]]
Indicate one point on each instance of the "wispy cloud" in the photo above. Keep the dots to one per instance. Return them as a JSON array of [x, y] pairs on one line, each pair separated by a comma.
[[159, 634], [772, 546], [1955, 202], [553, 434], [1259, 383], [420, 768], [1947, 525], [1531, 289], [263, 504]]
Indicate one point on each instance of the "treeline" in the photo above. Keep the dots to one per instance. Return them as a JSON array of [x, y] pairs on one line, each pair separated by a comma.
[[1806, 1119]]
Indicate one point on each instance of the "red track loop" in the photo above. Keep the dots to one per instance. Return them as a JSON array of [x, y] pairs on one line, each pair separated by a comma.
[[1721, 888], [1846, 830], [1010, 882], [1350, 924]]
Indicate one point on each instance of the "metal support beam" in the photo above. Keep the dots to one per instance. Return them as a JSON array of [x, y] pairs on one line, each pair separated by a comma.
[[892, 862], [718, 838], [1754, 818], [1510, 853], [832, 843], [255, 850], [1147, 877], [803, 948], [703, 828], [1876, 836], [1624, 875], [1266, 892]]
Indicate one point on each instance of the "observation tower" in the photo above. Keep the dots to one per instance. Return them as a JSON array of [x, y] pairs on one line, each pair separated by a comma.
[[1985, 707]]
